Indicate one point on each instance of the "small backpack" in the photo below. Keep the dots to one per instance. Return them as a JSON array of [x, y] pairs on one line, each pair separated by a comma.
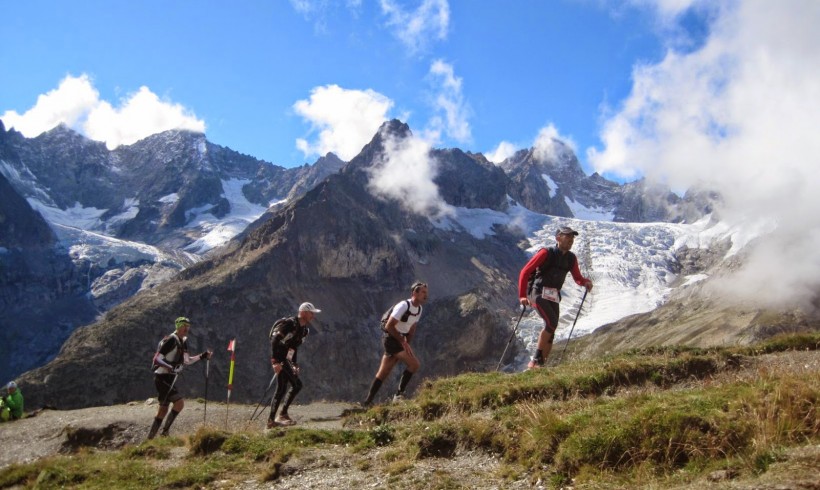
[[387, 313], [154, 364], [277, 327], [280, 325]]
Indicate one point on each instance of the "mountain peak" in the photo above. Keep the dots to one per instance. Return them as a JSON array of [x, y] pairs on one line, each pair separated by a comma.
[[394, 128], [63, 132]]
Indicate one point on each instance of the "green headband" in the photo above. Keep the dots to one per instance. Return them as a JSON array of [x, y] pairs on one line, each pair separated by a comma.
[[181, 322]]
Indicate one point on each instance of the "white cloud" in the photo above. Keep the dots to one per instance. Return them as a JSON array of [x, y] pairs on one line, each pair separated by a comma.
[[76, 103], [503, 151], [668, 10], [405, 173], [141, 114], [415, 29], [69, 103], [740, 115], [345, 119], [549, 144], [452, 113]]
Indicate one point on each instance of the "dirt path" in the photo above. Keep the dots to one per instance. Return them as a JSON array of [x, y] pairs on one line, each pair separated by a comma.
[[53, 431]]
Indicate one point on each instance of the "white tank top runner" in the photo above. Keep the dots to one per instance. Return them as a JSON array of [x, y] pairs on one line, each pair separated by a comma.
[[398, 312]]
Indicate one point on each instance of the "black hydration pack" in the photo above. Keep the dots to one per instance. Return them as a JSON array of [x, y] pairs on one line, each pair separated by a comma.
[[552, 272], [289, 332], [154, 364], [387, 313]]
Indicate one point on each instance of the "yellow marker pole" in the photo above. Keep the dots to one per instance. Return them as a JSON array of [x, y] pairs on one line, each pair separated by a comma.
[[232, 349]]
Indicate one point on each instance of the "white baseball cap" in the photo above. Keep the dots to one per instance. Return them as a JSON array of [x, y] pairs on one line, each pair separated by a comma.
[[11, 385], [309, 307]]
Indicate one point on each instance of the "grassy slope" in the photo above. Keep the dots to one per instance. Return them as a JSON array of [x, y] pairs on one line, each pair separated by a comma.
[[658, 418]]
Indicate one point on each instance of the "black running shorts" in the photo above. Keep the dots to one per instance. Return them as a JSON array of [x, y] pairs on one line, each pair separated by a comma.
[[166, 393], [391, 345]]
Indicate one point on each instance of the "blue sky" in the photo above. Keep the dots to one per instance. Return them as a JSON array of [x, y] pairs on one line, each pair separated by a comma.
[[506, 70], [689, 92]]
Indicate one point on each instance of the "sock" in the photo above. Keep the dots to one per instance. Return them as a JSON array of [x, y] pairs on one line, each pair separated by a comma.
[[170, 420], [538, 355], [154, 427], [377, 383], [405, 378]]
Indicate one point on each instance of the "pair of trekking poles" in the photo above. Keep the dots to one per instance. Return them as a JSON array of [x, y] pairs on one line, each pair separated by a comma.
[[265, 394], [515, 329]]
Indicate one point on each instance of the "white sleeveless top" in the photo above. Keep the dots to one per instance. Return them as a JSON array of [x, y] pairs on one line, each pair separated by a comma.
[[400, 309]]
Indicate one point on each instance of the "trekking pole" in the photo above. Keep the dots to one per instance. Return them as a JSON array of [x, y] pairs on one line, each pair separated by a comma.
[[207, 369], [253, 415], [573, 327], [176, 375], [523, 309]]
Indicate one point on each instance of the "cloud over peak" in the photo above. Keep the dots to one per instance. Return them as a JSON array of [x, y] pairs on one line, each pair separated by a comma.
[[406, 173], [345, 119], [77, 104]]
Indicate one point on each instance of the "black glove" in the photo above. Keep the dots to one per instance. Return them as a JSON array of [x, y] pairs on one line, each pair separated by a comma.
[[205, 355]]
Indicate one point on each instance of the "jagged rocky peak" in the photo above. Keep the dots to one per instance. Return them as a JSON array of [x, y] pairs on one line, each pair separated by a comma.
[[61, 133], [533, 183], [178, 137], [329, 162], [394, 128], [169, 147], [558, 161], [63, 143], [470, 181], [463, 179], [307, 177]]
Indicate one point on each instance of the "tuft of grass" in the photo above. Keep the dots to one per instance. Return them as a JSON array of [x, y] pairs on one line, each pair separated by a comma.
[[382, 435], [207, 440], [252, 446], [783, 343], [21, 474]]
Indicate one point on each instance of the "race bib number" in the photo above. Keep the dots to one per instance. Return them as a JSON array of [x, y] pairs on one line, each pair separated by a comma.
[[290, 354], [551, 294]]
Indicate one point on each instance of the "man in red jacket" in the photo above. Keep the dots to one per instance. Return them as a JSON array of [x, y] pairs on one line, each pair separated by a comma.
[[542, 277]]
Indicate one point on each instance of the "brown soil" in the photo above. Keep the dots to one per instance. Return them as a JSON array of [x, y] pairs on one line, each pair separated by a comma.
[[51, 432]]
